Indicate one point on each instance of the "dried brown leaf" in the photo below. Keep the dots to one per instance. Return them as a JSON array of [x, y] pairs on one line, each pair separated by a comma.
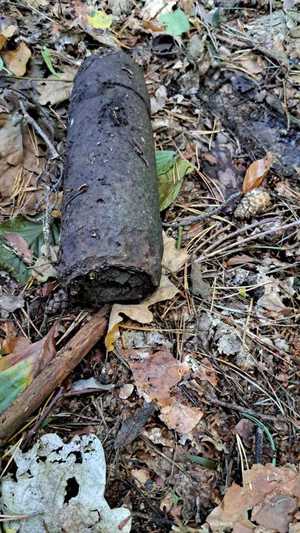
[[271, 493], [14, 344], [8, 28], [155, 373], [20, 167], [141, 475], [16, 60], [138, 312], [207, 372], [12, 341], [182, 418], [40, 353], [20, 246], [257, 172], [173, 259], [53, 90]]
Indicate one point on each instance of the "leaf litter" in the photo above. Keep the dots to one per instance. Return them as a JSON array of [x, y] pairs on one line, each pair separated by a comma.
[[223, 83]]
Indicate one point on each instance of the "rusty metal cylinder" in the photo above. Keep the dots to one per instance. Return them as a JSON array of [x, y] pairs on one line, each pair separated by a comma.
[[111, 243]]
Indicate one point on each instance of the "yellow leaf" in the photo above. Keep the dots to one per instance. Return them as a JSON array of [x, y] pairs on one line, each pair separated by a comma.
[[257, 172], [100, 20]]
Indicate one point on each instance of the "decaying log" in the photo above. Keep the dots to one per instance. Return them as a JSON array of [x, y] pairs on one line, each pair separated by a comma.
[[52, 376], [111, 242]]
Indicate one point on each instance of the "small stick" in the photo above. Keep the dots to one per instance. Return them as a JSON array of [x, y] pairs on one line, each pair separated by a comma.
[[249, 239], [208, 214], [43, 416], [259, 439], [53, 153], [240, 409]]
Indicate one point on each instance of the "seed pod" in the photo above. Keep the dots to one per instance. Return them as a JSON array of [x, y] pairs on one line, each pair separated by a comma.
[[253, 203]]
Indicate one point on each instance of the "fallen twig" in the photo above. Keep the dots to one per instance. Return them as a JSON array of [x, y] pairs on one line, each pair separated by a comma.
[[208, 214], [52, 376], [43, 416], [249, 239], [240, 409], [53, 153]]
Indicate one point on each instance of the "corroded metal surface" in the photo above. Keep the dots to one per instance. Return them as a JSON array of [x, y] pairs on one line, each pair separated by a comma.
[[111, 243]]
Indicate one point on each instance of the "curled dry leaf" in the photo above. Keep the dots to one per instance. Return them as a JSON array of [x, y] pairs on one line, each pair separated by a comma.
[[10, 303], [141, 475], [14, 343], [257, 172], [138, 312], [152, 8], [16, 60], [172, 261], [43, 268], [20, 167], [271, 494], [19, 368], [270, 303]]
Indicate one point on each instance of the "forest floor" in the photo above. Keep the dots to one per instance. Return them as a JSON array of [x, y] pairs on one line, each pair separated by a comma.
[[221, 350]]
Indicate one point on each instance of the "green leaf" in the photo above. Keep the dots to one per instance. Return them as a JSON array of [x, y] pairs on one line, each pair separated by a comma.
[[165, 160], [100, 20], [171, 171], [243, 292], [46, 55], [19, 368], [176, 23], [13, 381], [203, 461], [33, 234]]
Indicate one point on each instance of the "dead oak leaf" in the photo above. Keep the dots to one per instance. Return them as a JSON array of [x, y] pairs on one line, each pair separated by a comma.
[[16, 60], [155, 373], [207, 372], [257, 172]]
